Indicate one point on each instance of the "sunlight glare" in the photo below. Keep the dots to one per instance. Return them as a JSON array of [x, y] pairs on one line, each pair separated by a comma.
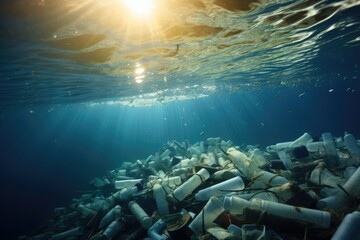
[[140, 7]]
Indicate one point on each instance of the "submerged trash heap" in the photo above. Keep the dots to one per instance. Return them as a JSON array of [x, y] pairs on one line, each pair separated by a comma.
[[304, 189]]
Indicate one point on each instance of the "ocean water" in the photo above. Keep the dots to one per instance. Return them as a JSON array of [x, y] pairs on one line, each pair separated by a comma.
[[87, 85]]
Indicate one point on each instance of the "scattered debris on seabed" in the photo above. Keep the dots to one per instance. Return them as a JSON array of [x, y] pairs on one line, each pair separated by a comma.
[[303, 189]]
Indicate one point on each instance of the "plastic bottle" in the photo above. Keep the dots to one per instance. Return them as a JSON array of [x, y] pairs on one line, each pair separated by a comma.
[[86, 211], [352, 147], [140, 215], [321, 218], [208, 159], [236, 205], [110, 216], [302, 140], [258, 157], [213, 208], [154, 230], [349, 171], [265, 179], [349, 227], [226, 174], [126, 193], [160, 199], [119, 184], [285, 158], [165, 154], [191, 184], [220, 189], [114, 228]]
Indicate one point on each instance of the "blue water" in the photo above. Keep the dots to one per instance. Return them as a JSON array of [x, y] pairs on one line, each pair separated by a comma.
[[59, 130]]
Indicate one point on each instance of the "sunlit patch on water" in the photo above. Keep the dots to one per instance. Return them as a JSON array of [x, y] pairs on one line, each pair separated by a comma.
[[98, 43]]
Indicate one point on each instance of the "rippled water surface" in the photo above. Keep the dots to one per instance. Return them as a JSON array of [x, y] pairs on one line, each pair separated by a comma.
[[91, 51]]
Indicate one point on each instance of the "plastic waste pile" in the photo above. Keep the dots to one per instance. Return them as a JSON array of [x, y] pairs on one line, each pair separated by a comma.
[[303, 189]]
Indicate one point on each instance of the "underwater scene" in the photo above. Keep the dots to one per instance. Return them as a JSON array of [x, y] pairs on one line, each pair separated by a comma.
[[180, 119]]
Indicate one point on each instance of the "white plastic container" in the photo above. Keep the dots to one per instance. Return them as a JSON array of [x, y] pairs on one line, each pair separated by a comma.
[[321, 218], [220, 189], [140, 215], [160, 198], [213, 208], [191, 184], [119, 184], [110, 216]]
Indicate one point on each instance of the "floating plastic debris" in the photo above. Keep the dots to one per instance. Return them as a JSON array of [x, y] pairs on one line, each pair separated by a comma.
[[300, 189]]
